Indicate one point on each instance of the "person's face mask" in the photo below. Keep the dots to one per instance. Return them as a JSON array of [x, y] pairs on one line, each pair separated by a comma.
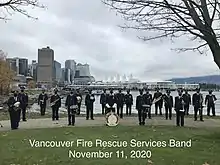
[[55, 93], [15, 95]]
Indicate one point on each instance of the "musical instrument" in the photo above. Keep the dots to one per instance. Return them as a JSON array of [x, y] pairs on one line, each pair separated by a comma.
[[54, 102], [201, 101], [17, 105], [112, 118], [73, 109], [156, 100], [79, 99]]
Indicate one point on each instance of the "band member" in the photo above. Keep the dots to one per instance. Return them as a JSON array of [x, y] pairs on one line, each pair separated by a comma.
[[13, 111], [55, 101], [159, 102], [168, 104], [128, 102], [24, 103], [89, 102], [71, 100], [103, 99], [197, 101], [140, 101], [148, 101], [111, 100], [210, 102], [187, 100], [120, 98], [179, 108], [42, 101], [79, 100]]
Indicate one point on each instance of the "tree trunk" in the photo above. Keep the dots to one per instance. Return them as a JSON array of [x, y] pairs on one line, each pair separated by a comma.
[[215, 49]]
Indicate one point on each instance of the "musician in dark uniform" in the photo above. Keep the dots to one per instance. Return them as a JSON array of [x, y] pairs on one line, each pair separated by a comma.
[[55, 102], [187, 100], [89, 102], [197, 101], [159, 103], [140, 101], [120, 99], [110, 102], [128, 102], [179, 108], [168, 104], [103, 99], [148, 101], [210, 102], [42, 101], [71, 100], [24, 103], [13, 111], [79, 100]]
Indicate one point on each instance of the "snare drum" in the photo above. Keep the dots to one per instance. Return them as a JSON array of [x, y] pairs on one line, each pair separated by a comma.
[[73, 109]]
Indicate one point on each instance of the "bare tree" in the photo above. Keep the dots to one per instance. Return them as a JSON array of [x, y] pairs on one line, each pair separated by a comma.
[[198, 19], [9, 7]]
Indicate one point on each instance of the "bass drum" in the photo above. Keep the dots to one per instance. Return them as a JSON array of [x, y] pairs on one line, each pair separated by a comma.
[[112, 119]]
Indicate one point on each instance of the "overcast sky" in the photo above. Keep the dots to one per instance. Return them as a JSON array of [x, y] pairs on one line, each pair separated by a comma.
[[87, 31]]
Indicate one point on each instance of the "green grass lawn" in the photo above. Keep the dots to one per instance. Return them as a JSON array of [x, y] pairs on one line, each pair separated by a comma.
[[15, 147]]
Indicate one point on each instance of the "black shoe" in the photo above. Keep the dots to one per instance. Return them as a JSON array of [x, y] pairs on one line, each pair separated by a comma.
[[202, 120], [170, 118], [73, 124], [195, 119], [24, 120], [166, 118], [92, 119], [87, 119]]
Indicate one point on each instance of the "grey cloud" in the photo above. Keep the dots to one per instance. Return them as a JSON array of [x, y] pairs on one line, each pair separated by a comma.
[[87, 32]]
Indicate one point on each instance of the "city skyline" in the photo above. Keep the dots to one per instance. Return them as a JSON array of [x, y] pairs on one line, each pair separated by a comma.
[[98, 41]]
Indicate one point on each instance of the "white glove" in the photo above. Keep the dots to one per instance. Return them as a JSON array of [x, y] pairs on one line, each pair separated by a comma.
[[107, 105]]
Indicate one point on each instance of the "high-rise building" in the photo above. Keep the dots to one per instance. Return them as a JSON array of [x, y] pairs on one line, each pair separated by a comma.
[[62, 74], [71, 64], [45, 68], [83, 69], [57, 71], [67, 76], [18, 65]]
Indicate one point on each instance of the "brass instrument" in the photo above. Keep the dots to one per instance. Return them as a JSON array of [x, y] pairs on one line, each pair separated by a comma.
[[158, 99], [79, 99], [54, 102], [201, 101]]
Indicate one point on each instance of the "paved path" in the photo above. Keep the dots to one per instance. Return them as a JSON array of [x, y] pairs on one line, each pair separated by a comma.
[[100, 121]]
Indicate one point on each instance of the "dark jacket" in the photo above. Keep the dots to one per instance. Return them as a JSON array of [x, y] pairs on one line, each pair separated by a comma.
[[187, 98], [197, 100], [140, 101], [103, 98], [148, 99], [23, 100], [89, 100], [210, 99], [128, 99], [57, 99], [157, 95], [120, 99], [111, 100], [70, 100], [42, 99], [11, 101], [168, 100], [179, 106]]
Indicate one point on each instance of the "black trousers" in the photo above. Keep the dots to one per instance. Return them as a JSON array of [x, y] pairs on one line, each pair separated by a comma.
[[103, 109], [14, 119], [186, 109], [158, 105], [128, 109], [79, 108], [89, 112], [209, 107], [168, 112], [55, 113], [120, 111], [142, 117], [149, 112], [196, 110], [180, 118], [42, 110], [71, 117], [23, 110]]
